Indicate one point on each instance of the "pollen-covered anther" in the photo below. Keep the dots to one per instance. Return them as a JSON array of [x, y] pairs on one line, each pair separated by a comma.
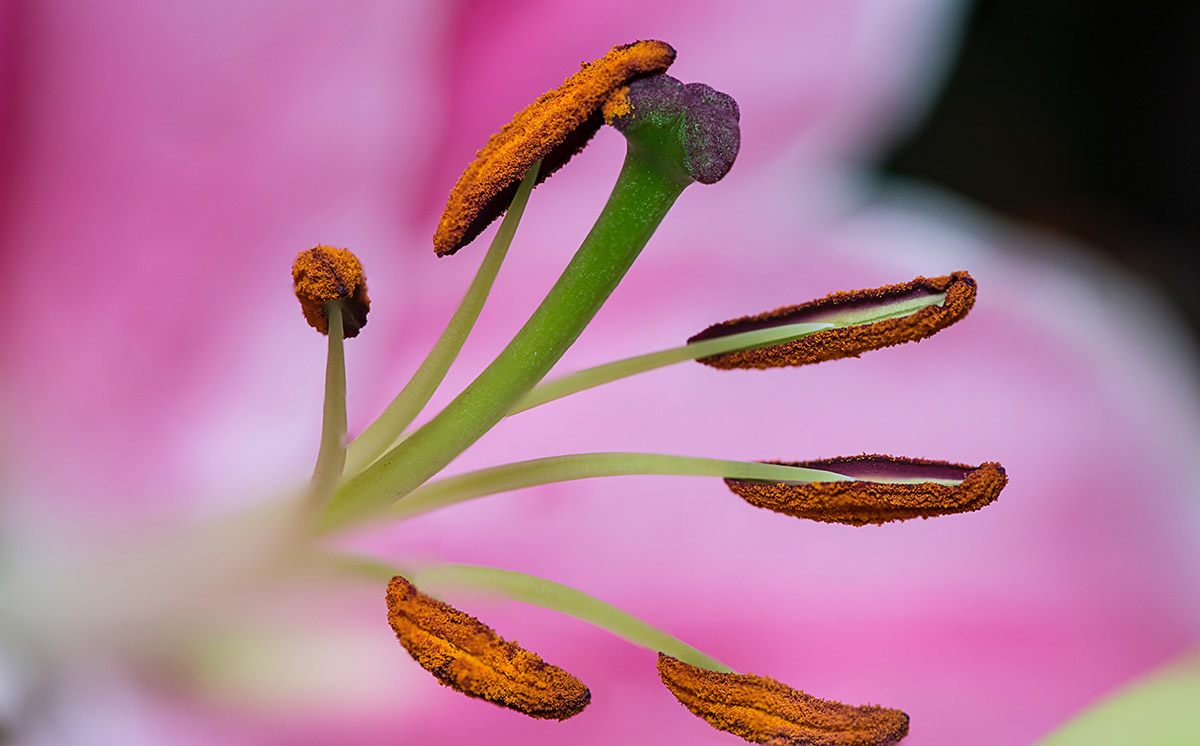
[[323, 275], [762, 710], [863, 320], [880, 489], [552, 129], [465, 654]]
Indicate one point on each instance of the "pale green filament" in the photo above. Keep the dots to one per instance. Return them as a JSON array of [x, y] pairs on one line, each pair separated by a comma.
[[381, 433], [331, 455], [869, 314], [547, 594], [601, 374], [451, 490]]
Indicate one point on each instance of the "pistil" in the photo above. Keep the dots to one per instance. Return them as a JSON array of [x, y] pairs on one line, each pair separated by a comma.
[[667, 128]]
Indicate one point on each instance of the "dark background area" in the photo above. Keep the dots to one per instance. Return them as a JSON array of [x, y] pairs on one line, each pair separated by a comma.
[[1082, 116]]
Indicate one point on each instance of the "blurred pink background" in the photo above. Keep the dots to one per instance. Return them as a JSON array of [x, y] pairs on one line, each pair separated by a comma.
[[160, 166]]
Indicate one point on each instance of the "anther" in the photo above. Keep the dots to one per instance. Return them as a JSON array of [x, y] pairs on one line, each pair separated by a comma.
[[323, 275], [762, 710], [466, 655], [864, 320], [881, 489], [551, 129]]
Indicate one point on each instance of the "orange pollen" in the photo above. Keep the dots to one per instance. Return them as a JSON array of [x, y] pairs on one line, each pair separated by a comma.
[[465, 654], [617, 105], [762, 710], [850, 340], [871, 499], [324, 274], [551, 129]]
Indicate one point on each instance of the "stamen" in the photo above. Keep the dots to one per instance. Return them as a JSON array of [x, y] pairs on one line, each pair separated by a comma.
[[530, 589], [553, 469], [323, 274], [762, 710], [466, 655], [885, 488], [551, 129], [865, 320]]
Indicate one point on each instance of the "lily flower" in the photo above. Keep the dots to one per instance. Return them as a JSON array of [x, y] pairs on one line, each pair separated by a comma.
[[170, 367]]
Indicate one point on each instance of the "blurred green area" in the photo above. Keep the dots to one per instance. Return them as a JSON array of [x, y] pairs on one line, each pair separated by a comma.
[[1161, 709]]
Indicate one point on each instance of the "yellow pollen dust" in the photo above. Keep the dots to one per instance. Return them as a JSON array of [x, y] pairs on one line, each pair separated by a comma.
[[324, 274], [551, 129], [617, 105]]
